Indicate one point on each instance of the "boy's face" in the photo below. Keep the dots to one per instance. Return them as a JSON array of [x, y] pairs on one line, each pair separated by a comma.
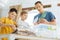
[[39, 7], [24, 16], [12, 15]]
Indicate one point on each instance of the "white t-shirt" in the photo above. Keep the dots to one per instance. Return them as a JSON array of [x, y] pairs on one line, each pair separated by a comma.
[[22, 25]]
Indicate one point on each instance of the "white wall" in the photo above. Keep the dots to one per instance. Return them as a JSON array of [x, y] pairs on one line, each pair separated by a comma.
[[25, 3]]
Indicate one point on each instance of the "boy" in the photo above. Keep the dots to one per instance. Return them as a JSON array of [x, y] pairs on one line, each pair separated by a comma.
[[21, 22], [23, 27], [7, 24]]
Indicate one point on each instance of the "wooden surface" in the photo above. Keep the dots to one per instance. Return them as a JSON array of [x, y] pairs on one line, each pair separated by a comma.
[[15, 36]]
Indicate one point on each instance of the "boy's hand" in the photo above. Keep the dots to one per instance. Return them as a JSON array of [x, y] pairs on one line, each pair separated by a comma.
[[13, 26], [1, 24]]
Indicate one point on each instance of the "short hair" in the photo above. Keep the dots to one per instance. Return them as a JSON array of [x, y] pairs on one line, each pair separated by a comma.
[[38, 2], [13, 10], [23, 12]]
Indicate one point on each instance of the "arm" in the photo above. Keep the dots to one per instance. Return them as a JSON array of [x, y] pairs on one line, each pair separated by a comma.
[[44, 21], [1, 23], [53, 22], [35, 22], [51, 18], [11, 25]]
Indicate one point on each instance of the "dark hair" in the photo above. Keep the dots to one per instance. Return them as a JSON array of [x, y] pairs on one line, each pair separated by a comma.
[[13, 10], [23, 12], [38, 2]]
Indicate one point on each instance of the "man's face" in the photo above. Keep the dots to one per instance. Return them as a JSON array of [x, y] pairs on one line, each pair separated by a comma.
[[12, 15], [24, 16], [39, 7]]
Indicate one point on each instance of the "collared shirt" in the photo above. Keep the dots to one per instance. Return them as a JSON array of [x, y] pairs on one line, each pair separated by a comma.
[[49, 16]]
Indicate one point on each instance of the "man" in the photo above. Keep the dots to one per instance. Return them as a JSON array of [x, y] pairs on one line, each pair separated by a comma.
[[44, 17], [7, 24]]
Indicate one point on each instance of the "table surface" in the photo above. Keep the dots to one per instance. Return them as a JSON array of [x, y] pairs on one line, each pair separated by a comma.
[[25, 37]]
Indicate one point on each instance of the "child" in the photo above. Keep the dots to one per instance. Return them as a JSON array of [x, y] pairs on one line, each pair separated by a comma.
[[23, 27], [21, 22], [7, 24]]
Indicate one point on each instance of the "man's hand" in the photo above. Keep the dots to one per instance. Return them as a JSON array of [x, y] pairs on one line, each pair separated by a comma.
[[44, 21]]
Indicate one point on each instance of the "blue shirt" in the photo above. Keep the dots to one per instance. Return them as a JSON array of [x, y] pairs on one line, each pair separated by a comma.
[[49, 16]]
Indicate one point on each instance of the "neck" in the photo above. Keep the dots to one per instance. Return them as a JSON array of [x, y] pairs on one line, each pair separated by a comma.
[[41, 11], [10, 18]]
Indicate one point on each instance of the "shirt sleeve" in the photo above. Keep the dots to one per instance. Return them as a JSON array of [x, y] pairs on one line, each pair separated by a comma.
[[2, 20], [52, 16], [35, 19]]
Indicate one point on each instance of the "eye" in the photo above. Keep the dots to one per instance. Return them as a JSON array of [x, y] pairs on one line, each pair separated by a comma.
[[12, 14]]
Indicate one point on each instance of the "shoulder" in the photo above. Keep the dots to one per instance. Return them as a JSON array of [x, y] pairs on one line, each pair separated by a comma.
[[36, 15], [3, 18], [49, 13]]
